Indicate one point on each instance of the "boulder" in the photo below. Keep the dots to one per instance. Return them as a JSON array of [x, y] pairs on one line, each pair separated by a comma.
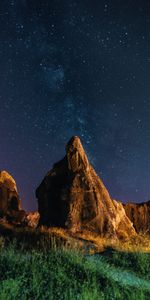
[[32, 219], [73, 196]]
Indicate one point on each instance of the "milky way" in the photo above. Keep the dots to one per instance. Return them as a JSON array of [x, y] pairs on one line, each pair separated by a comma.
[[76, 68]]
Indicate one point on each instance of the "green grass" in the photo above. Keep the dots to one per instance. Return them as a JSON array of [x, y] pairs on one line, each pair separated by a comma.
[[66, 275], [137, 262]]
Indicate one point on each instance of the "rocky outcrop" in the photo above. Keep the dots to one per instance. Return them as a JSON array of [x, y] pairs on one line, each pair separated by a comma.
[[139, 214], [10, 205], [73, 196]]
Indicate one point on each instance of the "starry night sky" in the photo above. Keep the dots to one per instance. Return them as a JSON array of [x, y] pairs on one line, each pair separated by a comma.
[[76, 68]]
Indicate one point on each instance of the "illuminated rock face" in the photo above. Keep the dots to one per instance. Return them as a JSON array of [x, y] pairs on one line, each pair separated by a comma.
[[73, 196], [10, 205], [32, 219], [139, 214]]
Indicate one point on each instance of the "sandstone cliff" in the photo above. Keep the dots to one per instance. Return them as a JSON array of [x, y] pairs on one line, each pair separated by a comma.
[[73, 196], [139, 214]]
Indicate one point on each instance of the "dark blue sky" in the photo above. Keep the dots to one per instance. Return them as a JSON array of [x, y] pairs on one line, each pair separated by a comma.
[[76, 68]]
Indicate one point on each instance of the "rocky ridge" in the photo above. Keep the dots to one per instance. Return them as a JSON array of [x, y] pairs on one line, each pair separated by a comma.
[[73, 205]]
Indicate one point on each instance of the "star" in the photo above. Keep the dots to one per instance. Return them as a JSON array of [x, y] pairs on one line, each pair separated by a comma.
[[76, 68]]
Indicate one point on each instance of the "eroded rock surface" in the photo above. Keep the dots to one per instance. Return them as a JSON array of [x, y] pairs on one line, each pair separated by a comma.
[[10, 205], [32, 219], [139, 214], [73, 196]]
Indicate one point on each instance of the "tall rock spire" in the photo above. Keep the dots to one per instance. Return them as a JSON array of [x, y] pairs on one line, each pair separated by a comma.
[[73, 196]]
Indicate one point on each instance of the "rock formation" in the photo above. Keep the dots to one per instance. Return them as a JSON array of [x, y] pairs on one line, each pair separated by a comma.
[[73, 196], [10, 205], [139, 214], [32, 219]]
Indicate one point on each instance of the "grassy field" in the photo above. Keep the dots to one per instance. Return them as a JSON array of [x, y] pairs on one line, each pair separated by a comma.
[[66, 275]]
